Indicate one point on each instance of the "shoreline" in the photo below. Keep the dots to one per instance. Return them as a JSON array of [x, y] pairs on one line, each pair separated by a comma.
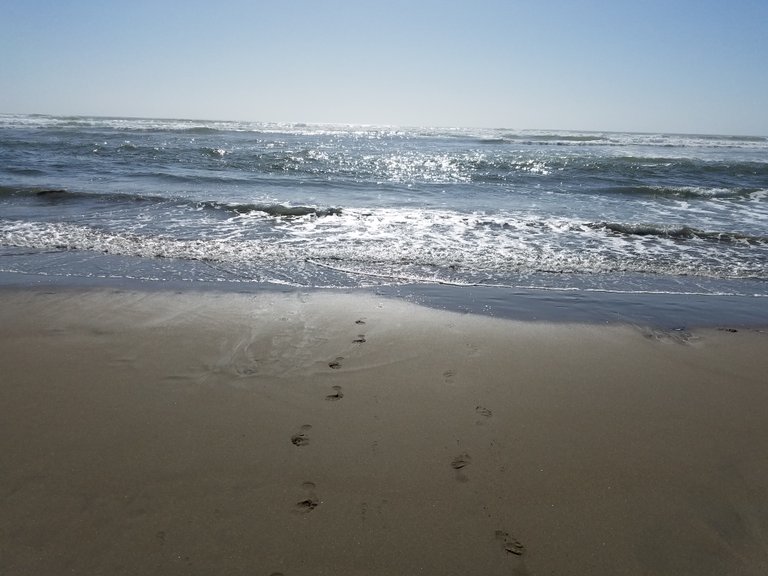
[[664, 310], [306, 433]]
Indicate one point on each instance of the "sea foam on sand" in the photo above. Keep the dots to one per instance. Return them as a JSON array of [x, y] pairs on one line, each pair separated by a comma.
[[314, 433]]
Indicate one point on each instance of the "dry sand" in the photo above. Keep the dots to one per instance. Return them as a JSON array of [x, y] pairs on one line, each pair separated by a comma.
[[160, 433]]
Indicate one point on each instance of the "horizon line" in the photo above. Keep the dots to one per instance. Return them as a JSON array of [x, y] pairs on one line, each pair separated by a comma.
[[300, 123]]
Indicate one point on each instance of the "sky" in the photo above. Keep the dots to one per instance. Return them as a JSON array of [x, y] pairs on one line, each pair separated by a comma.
[[683, 66]]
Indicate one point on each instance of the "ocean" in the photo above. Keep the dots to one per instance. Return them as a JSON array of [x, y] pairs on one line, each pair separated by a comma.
[[574, 216]]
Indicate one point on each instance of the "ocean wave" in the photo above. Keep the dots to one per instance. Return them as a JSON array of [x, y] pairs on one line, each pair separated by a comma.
[[58, 195], [716, 138], [66, 236], [677, 232], [276, 210], [494, 140], [397, 243], [198, 129], [640, 165], [61, 195], [214, 152], [686, 192], [23, 171], [618, 139], [409, 221], [559, 139]]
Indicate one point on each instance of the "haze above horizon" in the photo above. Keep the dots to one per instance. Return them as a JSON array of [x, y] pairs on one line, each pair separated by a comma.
[[672, 66]]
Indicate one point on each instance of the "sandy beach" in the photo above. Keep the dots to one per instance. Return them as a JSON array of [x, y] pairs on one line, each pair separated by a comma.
[[345, 434]]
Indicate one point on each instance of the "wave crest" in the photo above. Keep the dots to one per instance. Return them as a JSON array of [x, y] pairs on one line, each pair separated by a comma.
[[677, 232]]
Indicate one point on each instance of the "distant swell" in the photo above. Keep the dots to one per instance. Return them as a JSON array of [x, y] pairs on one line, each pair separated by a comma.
[[543, 139]]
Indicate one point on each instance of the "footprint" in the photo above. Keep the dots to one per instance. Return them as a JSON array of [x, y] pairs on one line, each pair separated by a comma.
[[675, 335], [449, 375], [307, 505], [247, 369], [511, 544], [359, 340], [337, 395], [300, 438], [336, 364], [461, 461], [310, 502], [483, 411]]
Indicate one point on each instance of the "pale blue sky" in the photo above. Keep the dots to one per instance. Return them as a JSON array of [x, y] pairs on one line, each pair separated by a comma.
[[657, 65]]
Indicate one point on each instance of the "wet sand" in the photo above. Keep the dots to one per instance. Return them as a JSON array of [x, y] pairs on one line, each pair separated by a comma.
[[303, 434]]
